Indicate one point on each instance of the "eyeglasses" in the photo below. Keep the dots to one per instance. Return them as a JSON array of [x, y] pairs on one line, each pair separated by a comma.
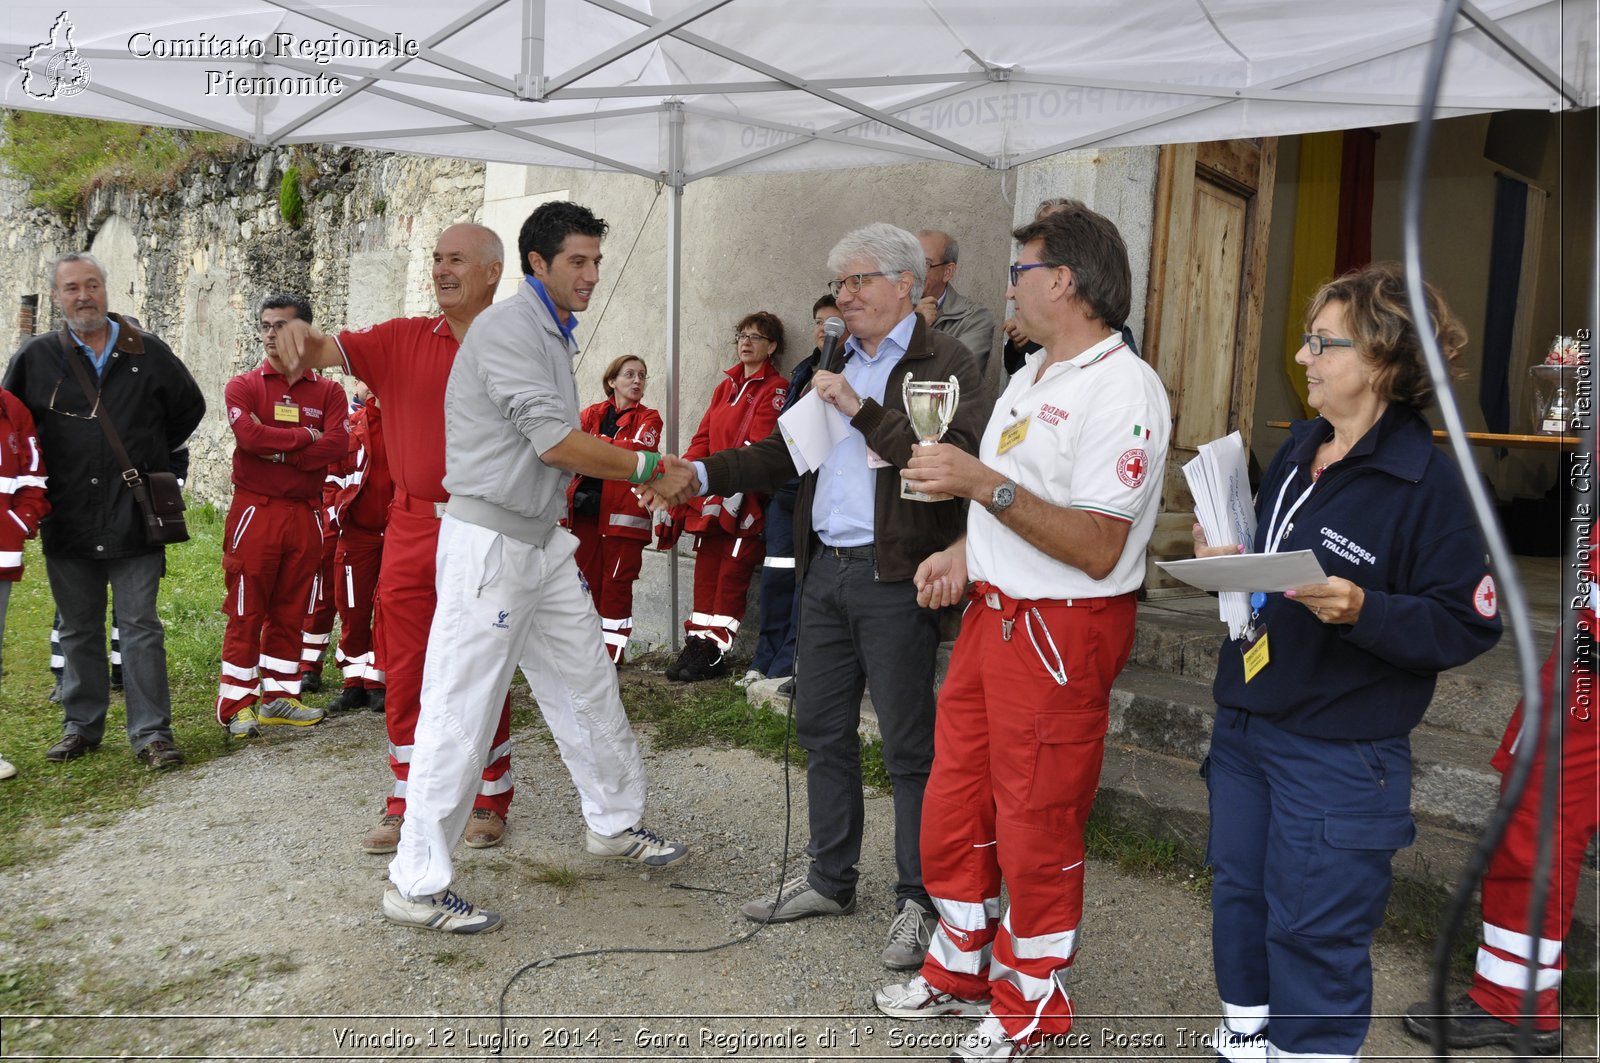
[[1019, 270], [753, 337], [1317, 344], [931, 264], [274, 326], [68, 413], [853, 283]]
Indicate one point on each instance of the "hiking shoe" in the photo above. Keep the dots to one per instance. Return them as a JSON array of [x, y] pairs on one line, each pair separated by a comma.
[[244, 724], [311, 682], [798, 899], [376, 697], [385, 837], [917, 999], [751, 676], [484, 829], [708, 663], [445, 910], [161, 755], [686, 656], [645, 846], [349, 700], [989, 1041], [289, 711], [7, 769], [1469, 1026], [908, 938], [71, 747]]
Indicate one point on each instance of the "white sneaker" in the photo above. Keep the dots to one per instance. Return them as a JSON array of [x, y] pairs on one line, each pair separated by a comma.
[[752, 676], [917, 999], [644, 846], [989, 1041], [443, 911], [7, 769]]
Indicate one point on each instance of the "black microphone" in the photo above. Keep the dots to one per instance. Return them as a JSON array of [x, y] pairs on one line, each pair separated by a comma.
[[832, 329]]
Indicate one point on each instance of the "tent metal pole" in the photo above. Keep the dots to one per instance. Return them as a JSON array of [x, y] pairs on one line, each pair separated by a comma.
[[530, 80], [674, 176]]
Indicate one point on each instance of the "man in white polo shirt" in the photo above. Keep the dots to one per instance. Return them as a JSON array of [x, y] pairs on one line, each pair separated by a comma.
[[1067, 484]]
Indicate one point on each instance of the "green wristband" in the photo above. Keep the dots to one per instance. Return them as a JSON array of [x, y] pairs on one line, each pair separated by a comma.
[[646, 472]]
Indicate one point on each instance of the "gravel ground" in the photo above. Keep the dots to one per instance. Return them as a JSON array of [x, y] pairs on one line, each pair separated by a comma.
[[234, 917]]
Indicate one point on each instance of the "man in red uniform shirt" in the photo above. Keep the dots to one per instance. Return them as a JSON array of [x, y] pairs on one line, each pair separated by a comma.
[[287, 428], [406, 362], [360, 513]]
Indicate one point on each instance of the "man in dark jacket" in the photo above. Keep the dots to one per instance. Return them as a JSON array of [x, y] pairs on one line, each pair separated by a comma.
[[857, 545], [95, 536]]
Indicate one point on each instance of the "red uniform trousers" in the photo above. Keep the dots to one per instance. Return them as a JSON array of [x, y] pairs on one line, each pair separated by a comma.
[[355, 582], [610, 565], [318, 631], [1503, 965], [1015, 766], [723, 565], [269, 561], [403, 615]]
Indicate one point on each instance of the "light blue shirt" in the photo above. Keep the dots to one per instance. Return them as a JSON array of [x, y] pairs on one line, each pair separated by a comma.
[[102, 357], [842, 509]]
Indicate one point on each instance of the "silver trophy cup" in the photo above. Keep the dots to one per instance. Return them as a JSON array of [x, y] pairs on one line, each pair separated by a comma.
[[931, 405]]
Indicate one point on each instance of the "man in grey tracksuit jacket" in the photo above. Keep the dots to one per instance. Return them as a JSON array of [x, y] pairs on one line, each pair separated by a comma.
[[509, 590]]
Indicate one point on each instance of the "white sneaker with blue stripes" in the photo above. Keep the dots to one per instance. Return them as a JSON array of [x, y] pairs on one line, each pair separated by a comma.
[[445, 910], [637, 844]]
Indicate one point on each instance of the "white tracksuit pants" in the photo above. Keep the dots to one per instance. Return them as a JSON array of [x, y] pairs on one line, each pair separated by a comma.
[[505, 603]]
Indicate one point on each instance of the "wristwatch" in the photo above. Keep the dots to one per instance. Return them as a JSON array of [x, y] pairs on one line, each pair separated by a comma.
[[1004, 495]]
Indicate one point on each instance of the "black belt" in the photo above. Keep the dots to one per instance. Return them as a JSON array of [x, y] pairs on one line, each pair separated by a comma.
[[851, 553]]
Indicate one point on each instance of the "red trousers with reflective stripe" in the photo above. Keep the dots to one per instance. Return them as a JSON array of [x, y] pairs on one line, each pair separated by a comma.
[[1015, 766], [610, 566], [319, 617], [355, 582], [723, 566], [1505, 958], [270, 551], [403, 614]]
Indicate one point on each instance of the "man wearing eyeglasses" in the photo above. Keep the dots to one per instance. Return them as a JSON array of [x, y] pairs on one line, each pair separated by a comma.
[[947, 310], [287, 428], [1066, 485], [95, 536], [857, 546]]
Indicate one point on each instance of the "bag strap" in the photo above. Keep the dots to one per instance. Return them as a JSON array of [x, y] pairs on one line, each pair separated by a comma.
[[130, 475]]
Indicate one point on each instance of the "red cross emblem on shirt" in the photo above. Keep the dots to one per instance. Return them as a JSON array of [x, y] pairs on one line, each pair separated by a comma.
[[1483, 598], [1131, 467]]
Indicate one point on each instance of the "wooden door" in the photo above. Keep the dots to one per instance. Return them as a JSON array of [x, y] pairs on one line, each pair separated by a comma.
[[1208, 261]]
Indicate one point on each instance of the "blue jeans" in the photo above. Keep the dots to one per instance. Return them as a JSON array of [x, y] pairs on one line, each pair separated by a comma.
[[1303, 831], [79, 586]]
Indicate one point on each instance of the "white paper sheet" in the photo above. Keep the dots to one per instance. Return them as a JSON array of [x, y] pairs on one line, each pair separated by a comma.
[[811, 429], [1219, 481], [1248, 572]]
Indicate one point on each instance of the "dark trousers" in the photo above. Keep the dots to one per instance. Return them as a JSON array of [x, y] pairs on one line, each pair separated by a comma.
[[857, 633], [780, 598], [79, 586]]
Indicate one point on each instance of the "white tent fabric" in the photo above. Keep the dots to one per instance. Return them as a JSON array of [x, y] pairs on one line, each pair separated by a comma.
[[773, 85]]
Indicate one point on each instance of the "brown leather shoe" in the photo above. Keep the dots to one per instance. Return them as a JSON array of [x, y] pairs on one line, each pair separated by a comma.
[[71, 747], [161, 755], [484, 829], [385, 837]]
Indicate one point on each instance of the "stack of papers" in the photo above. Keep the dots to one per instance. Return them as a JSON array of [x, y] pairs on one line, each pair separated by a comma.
[[1219, 480], [811, 429]]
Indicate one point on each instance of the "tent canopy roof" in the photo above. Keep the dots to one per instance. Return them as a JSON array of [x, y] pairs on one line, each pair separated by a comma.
[[774, 85]]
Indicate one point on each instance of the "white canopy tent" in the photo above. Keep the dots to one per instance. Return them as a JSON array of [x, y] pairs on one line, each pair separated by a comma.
[[680, 90]]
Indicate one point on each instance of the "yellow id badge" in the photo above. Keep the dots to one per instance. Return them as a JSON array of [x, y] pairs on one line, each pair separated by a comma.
[[1256, 656], [286, 411], [1013, 433]]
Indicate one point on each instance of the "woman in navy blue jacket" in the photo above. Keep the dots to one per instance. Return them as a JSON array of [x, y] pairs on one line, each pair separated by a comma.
[[1310, 762]]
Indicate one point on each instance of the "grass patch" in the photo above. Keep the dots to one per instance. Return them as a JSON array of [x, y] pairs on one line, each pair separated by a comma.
[[93, 790], [63, 159], [560, 877]]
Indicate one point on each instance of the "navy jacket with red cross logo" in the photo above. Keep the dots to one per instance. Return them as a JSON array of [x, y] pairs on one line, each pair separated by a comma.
[[1392, 517]]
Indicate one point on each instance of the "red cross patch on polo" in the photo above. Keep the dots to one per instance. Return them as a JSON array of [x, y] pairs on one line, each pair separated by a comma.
[[1132, 466]]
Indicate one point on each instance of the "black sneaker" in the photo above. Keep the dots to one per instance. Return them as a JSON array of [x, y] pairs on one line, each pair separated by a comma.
[[349, 699], [686, 657], [161, 755], [1469, 1026]]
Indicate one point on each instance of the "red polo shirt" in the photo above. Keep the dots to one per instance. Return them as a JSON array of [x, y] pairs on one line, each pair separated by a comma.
[[406, 362], [284, 412]]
